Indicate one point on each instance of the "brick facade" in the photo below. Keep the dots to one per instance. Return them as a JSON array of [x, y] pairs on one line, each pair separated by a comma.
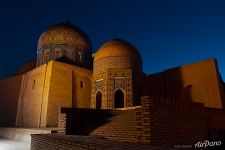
[[197, 82], [9, 93], [47, 88], [169, 121], [74, 142], [157, 121], [62, 123], [118, 125], [108, 83]]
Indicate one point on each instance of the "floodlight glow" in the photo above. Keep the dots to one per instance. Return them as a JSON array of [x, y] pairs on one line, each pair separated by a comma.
[[7, 144]]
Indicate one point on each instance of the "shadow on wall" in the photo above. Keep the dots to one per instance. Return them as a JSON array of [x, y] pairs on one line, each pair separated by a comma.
[[169, 83], [9, 93], [216, 135], [216, 125], [84, 121]]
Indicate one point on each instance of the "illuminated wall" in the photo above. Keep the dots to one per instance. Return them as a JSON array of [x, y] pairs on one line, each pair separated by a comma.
[[49, 87], [65, 89], [199, 82], [32, 106]]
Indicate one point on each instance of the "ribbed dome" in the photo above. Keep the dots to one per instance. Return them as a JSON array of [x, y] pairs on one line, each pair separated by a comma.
[[116, 47], [63, 33]]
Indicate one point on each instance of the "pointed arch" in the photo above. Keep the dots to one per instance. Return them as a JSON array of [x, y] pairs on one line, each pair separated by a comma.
[[119, 97], [98, 100]]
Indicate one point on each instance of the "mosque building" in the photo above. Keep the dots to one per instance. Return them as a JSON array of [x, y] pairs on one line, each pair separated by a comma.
[[67, 74]]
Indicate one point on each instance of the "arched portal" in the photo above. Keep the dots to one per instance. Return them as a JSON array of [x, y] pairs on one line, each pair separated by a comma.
[[119, 99], [99, 100]]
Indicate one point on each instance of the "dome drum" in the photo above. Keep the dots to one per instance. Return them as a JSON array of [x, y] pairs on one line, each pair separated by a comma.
[[74, 53], [116, 63]]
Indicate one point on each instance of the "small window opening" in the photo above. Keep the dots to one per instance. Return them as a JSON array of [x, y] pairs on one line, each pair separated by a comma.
[[81, 84], [33, 84]]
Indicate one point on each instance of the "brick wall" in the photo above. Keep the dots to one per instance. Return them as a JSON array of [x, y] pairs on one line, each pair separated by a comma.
[[168, 121], [9, 93], [215, 118], [119, 125], [65, 89], [74, 142], [158, 121], [60, 91], [216, 125], [202, 77], [32, 103], [42, 142], [47, 88], [62, 123]]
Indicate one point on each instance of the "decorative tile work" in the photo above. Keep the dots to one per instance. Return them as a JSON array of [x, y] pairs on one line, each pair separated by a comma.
[[108, 82], [63, 33], [99, 85], [64, 40], [120, 62]]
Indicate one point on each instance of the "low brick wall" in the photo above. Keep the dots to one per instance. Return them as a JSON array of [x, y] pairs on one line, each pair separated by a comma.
[[62, 123], [158, 121], [74, 142], [169, 121], [216, 125], [111, 124], [122, 127]]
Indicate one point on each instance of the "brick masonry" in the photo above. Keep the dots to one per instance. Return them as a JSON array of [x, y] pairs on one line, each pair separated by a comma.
[[62, 123], [23, 134], [169, 121], [74, 142], [120, 127], [198, 82], [43, 92], [110, 124], [158, 121], [9, 93]]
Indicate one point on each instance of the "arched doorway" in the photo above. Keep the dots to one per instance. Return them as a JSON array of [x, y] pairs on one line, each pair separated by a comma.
[[119, 99], [99, 100]]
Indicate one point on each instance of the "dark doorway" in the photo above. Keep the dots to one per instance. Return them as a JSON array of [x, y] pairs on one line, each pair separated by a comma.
[[119, 99], [99, 100]]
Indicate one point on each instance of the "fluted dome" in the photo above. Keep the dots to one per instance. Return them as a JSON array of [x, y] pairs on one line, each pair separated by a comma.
[[64, 40], [117, 54]]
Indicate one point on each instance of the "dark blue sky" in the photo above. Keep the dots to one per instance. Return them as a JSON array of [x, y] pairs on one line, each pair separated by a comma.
[[168, 33]]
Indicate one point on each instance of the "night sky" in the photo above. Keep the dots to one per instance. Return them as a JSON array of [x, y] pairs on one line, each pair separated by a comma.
[[167, 33]]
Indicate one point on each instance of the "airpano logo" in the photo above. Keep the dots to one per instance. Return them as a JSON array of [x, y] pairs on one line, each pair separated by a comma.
[[200, 144], [207, 143]]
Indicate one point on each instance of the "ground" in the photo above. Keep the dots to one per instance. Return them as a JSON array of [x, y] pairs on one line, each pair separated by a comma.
[[9, 144]]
